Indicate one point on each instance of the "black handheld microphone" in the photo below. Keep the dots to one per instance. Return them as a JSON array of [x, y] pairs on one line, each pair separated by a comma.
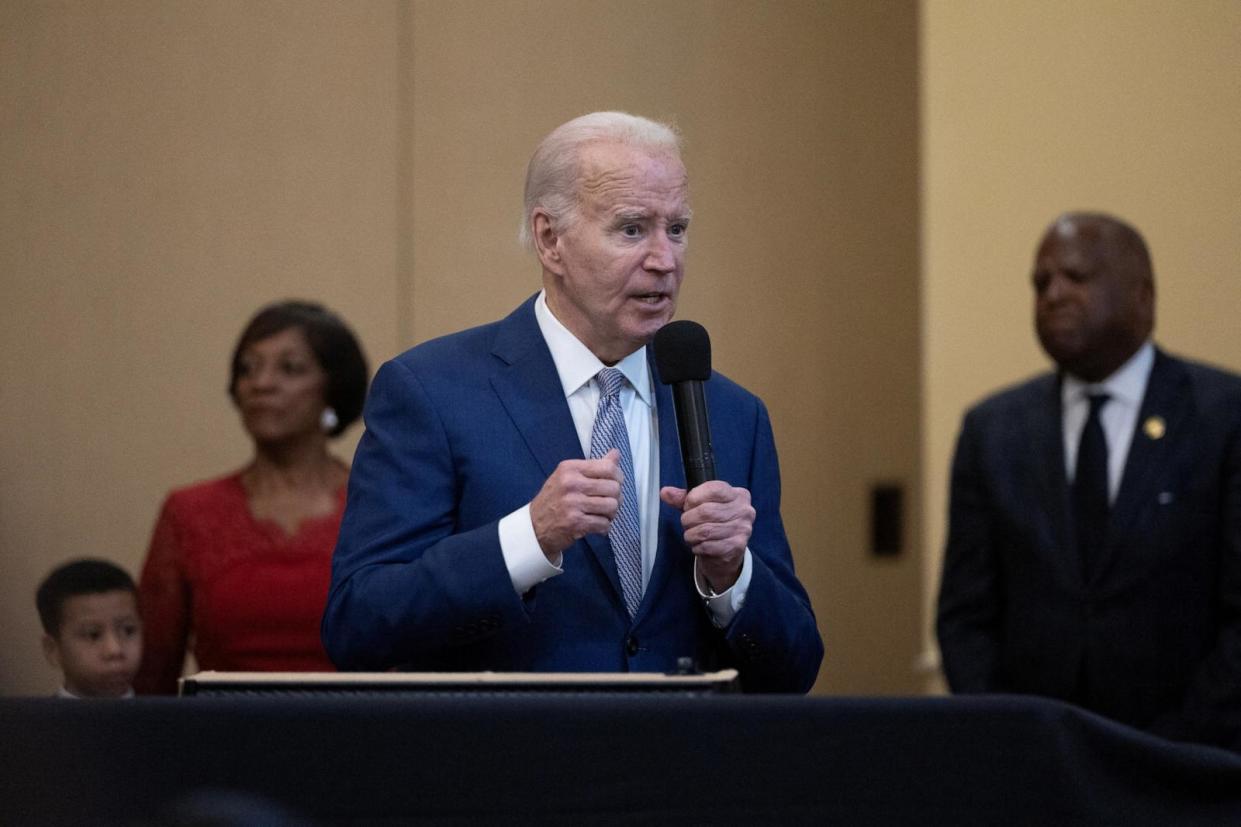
[[683, 357]]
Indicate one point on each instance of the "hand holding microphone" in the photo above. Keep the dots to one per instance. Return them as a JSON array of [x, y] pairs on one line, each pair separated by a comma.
[[717, 518]]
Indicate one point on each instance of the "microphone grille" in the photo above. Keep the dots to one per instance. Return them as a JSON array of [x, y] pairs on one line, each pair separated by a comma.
[[683, 352]]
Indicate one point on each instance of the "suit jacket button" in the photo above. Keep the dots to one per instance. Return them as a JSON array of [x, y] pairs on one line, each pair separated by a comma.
[[631, 646]]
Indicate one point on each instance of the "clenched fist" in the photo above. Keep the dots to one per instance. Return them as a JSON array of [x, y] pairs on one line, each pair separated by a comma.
[[580, 497]]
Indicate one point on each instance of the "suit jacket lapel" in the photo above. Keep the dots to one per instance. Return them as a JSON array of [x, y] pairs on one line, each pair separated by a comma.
[[1045, 424], [1161, 419], [530, 390]]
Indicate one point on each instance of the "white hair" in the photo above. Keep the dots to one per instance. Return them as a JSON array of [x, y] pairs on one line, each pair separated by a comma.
[[552, 175]]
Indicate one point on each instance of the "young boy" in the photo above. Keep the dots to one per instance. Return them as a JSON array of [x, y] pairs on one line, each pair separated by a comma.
[[92, 631]]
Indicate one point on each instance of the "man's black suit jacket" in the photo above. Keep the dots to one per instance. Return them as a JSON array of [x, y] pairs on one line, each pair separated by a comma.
[[1151, 635]]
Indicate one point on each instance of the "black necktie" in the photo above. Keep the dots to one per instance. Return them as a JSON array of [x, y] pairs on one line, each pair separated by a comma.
[[1090, 497]]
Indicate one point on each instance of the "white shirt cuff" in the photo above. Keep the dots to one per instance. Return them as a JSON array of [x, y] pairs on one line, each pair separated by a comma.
[[527, 565], [725, 605]]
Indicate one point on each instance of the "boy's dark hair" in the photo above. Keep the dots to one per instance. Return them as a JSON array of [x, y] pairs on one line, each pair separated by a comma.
[[72, 579]]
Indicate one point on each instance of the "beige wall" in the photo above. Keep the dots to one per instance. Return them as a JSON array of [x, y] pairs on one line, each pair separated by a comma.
[[1029, 109], [169, 167], [166, 169]]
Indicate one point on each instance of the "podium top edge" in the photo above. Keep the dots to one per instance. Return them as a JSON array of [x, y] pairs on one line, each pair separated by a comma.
[[431, 679]]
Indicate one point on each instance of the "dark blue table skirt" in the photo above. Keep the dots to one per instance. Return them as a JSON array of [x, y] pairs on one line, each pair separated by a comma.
[[604, 759]]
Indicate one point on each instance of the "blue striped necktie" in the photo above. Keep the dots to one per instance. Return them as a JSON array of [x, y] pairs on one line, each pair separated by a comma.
[[624, 533]]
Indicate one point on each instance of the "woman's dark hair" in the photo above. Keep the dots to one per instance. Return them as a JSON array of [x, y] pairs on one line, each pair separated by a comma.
[[333, 344]]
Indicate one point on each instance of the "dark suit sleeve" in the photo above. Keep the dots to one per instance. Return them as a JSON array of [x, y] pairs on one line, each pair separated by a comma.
[[1210, 711], [970, 597], [404, 580], [774, 638]]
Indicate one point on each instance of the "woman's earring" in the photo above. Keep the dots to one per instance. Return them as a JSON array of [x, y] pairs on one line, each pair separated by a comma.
[[328, 420]]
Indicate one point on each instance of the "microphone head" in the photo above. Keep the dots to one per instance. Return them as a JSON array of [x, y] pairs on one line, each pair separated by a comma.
[[683, 352]]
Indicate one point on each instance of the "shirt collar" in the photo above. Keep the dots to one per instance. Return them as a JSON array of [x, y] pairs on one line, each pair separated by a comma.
[[576, 365], [1127, 384]]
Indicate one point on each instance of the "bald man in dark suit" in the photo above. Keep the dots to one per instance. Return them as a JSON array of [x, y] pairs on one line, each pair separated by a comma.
[[1094, 542]]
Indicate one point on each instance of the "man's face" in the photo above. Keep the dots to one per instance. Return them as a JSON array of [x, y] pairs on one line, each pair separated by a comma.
[[99, 645], [1093, 307], [612, 272]]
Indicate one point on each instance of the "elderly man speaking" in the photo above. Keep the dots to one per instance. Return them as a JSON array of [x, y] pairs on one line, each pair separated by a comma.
[[517, 502]]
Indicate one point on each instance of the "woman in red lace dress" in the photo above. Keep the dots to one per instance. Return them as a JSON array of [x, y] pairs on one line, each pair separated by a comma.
[[238, 567]]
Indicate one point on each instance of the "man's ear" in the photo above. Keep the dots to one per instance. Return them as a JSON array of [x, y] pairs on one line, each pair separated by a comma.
[[546, 241], [51, 650]]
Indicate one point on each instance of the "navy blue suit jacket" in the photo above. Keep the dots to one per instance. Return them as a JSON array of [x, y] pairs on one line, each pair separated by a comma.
[[463, 430], [1151, 635]]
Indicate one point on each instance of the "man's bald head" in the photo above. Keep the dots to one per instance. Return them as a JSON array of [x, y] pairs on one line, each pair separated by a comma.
[[1124, 244]]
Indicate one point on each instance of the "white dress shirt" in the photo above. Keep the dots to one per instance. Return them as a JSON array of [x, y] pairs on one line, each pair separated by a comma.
[[1119, 417], [576, 367]]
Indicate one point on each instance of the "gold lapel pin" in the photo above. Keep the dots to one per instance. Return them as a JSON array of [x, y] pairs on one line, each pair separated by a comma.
[[1154, 427]]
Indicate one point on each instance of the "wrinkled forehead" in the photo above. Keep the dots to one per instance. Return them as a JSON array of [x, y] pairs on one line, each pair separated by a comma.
[[609, 172]]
